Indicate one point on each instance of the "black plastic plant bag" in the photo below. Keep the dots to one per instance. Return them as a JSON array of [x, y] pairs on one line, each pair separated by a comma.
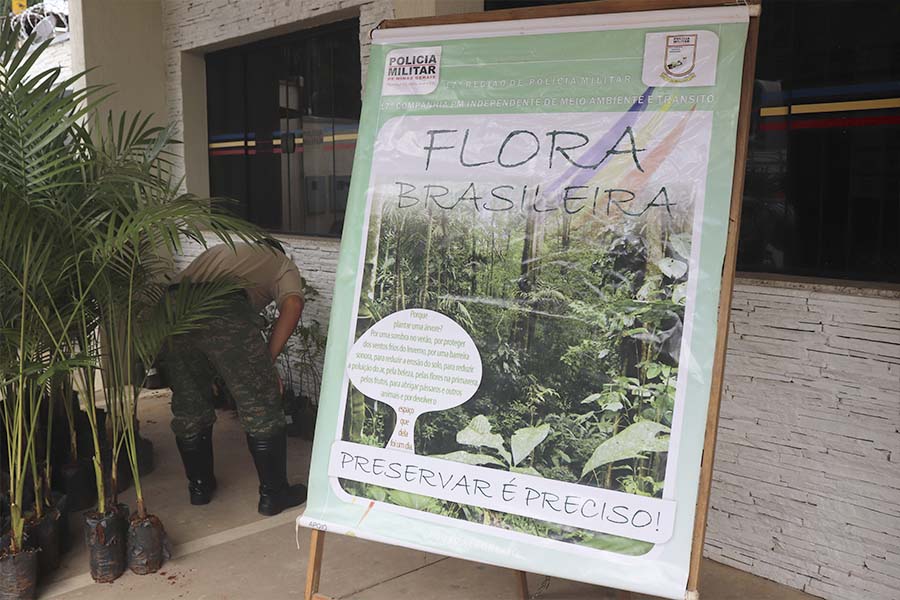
[[105, 536], [146, 544], [18, 575]]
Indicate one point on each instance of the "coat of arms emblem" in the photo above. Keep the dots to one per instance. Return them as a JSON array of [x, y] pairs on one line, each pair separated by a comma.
[[681, 58]]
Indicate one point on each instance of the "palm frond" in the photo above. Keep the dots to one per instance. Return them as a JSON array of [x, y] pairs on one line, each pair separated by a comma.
[[183, 310]]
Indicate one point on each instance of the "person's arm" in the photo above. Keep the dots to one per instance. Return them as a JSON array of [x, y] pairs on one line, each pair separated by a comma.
[[288, 316]]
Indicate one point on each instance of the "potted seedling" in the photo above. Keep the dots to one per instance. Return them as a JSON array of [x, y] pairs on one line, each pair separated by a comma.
[[43, 528], [137, 313], [25, 367]]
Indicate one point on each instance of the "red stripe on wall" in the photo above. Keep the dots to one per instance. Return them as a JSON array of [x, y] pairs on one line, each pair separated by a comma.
[[840, 123], [276, 150], [228, 152]]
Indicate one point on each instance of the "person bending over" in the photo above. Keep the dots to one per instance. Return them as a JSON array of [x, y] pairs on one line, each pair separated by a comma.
[[231, 346]]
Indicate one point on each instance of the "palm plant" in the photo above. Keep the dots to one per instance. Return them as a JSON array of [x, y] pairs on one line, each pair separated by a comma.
[[86, 213], [34, 169], [22, 357]]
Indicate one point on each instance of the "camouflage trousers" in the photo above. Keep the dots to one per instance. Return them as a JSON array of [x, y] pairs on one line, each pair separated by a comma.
[[231, 346]]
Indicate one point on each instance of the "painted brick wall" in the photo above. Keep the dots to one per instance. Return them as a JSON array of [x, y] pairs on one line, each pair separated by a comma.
[[807, 477]]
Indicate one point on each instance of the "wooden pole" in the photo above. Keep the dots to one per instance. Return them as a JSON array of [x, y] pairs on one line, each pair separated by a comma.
[[597, 7], [728, 273], [314, 567], [522, 580]]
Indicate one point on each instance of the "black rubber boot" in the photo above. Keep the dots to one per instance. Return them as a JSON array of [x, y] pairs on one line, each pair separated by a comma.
[[270, 457], [197, 456]]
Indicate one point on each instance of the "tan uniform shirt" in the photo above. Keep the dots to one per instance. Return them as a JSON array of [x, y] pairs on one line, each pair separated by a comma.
[[266, 273]]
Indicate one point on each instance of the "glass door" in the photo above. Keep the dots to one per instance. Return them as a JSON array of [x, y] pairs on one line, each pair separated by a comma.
[[284, 114]]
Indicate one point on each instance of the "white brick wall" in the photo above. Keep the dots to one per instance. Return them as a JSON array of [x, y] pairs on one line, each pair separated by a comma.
[[807, 476]]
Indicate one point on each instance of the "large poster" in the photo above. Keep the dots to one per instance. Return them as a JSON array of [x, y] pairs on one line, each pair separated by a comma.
[[522, 336]]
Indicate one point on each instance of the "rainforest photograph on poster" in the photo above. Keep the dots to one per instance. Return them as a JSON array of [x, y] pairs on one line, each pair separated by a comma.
[[569, 271]]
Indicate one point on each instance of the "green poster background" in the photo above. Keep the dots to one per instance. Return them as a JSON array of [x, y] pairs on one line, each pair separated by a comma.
[[556, 62]]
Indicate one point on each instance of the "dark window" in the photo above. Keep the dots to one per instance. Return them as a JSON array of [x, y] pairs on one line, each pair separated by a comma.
[[283, 118], [822, 196]]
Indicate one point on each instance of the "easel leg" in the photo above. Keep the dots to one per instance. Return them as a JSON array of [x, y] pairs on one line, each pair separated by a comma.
[[725, 294], [314, 569], [522, 580]]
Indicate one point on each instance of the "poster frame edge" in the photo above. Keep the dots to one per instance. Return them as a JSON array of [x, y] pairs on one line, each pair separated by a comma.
[[729, 271], [572, 9]]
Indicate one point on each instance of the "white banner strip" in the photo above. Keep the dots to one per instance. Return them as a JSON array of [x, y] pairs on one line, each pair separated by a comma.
[[682, 17], [627, 515]]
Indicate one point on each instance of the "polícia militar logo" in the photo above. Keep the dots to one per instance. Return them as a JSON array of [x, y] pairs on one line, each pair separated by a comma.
[[419, 66], [680, 59], [411, 71]]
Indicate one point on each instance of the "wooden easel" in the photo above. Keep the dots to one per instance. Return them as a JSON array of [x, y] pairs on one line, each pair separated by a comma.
[[728, 272], [729, 267], [314, 570]]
